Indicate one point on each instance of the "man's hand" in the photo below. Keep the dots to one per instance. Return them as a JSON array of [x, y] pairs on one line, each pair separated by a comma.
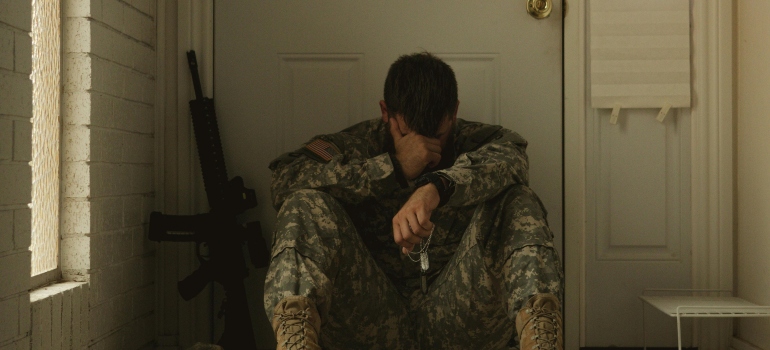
[[414, 151], [412, 223]]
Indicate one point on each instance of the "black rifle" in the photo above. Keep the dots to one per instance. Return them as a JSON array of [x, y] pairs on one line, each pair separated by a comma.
[[218, 229]]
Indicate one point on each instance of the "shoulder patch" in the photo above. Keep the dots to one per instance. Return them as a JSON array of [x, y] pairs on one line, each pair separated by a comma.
[[323, 149]]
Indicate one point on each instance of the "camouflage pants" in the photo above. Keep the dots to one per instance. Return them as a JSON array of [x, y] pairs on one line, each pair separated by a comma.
[[505, 256]]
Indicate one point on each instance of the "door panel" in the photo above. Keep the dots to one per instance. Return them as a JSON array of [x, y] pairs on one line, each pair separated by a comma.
[[637, 224], [288, 70], [309, 83]]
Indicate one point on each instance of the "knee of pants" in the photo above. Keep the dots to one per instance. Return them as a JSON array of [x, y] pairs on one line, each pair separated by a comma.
[[299, 196], [520, 197], [311, 218], [520, 221], [311, 205]]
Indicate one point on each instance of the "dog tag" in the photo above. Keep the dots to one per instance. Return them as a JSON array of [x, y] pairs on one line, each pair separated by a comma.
[[424, 263]]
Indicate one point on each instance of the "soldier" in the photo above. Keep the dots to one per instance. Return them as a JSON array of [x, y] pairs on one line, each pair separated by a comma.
[[416, 230]]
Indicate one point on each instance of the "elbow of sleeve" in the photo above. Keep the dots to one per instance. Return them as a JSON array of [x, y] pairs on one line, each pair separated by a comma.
[[277, 202], [518, 173], [277, 197]]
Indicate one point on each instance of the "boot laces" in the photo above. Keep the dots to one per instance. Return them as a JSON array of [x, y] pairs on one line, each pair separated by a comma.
[[545, 328], [293, 327]]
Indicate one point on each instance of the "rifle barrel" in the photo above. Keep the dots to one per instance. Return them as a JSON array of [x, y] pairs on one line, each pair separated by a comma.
[[193, 63]]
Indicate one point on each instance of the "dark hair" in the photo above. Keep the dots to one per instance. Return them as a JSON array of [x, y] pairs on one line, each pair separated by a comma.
[[423, 89]]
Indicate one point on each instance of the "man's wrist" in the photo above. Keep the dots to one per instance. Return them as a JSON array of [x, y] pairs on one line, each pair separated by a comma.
[[444, 186], [431, 192]]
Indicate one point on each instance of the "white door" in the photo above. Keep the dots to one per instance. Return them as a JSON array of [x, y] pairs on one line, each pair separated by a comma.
[[288, 70], [638, 223]]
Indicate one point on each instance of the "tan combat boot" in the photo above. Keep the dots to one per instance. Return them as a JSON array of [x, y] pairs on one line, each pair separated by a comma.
[[296, 324], [538, 324]]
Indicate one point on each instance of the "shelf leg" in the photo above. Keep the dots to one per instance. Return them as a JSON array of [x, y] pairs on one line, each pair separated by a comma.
[[644, 332], [679, 330]]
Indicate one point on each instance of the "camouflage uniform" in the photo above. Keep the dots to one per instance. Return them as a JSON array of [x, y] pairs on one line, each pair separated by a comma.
[[333, 243]]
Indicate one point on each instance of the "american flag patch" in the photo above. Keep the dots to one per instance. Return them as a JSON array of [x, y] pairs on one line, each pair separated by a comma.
[[325, 150]]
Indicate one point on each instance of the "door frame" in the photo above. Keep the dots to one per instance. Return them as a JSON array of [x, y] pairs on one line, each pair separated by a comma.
[[711, 162]]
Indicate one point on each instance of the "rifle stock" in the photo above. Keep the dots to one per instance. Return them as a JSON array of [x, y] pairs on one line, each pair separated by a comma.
[[193, 284]]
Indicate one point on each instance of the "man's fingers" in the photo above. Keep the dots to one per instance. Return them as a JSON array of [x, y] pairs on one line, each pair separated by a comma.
[[416, 227], [402, 234], [412, 224], [396, 233], [424, 219], [433, 145], [399, 239], [432, 141], [407, 234], [433, 148], [394, 130], [433, 159]]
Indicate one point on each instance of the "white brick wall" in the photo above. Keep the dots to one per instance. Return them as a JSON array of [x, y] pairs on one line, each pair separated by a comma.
[[15, 173], [108, 154], [57, 316], [108, 78]]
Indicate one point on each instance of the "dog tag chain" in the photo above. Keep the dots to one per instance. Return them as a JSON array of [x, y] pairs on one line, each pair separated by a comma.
[[424, 261]]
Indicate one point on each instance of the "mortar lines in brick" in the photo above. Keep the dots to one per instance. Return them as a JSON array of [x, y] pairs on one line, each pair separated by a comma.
[[123, 34], [110, 45], [9, 26], [14, 206], [113, 21], [103, 77], [149, 5], [120, 65], [121, 279]]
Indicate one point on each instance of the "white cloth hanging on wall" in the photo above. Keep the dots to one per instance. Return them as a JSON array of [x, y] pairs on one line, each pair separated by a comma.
[[640, 54]]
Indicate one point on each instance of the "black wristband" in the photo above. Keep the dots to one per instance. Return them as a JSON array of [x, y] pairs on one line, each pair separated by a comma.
[[445, 189]]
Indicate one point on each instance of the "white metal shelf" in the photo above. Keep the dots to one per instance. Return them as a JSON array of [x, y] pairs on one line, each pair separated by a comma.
[[699, 306]]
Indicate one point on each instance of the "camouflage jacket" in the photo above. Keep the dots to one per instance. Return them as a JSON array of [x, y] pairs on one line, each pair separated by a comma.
[[360, 173]]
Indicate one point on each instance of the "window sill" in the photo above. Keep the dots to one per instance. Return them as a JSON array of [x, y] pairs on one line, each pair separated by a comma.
[[53, 289], [45, 279]]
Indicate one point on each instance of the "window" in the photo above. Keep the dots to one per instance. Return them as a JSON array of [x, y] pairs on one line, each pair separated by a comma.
[[46, 132]]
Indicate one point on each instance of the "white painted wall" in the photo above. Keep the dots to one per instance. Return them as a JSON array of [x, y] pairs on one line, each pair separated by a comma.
[[15, 172], [752, 165]]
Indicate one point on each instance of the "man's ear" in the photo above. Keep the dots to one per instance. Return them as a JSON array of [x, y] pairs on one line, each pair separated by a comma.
[[384, 110], [457, 108]]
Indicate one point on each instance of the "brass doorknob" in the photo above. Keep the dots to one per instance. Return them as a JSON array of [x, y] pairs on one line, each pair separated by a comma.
[[539, 8]]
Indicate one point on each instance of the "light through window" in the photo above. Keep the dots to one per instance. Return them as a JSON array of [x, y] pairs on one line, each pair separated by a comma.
[[45, 134]]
